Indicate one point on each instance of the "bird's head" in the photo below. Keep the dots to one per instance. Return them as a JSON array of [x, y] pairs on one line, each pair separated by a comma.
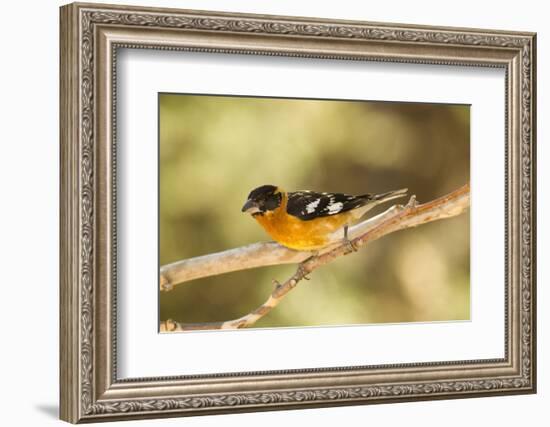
[[263, 199]]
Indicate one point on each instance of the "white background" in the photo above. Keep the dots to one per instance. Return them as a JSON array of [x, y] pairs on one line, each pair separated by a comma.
[[29, 171], [263, 349]]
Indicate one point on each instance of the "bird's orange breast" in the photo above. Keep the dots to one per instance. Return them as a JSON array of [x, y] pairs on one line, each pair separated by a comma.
[[295, 233]]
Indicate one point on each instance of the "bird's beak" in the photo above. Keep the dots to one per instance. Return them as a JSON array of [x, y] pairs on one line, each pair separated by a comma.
[[250, 207]]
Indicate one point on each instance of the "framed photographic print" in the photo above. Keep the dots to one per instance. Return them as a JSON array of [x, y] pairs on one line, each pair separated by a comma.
[[266, 212]]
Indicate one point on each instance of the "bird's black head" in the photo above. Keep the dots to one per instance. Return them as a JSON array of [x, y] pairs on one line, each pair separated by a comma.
[[263, 199]]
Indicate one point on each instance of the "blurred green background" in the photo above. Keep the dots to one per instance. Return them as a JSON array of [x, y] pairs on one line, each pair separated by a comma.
[[215, 149]]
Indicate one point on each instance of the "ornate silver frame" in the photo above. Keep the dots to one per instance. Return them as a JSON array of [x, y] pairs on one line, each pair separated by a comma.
[[90, 36]]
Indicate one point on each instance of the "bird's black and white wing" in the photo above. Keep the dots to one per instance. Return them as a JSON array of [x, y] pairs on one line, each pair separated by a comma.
[[308, 205]]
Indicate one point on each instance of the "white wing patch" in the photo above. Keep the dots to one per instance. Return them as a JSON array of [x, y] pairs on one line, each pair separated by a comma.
[[310, 207], [334, 208]]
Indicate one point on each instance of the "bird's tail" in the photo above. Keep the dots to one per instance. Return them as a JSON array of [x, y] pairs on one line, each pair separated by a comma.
[[370, 200], [390, 195]]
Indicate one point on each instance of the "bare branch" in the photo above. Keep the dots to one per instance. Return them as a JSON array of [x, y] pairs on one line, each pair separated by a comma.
[[256, 255], [394, 219]]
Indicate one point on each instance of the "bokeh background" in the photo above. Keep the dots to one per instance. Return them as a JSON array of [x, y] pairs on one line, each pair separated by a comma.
[[215, 149]]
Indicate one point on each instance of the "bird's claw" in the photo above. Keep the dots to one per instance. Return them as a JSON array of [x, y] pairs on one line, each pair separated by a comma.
[[347, 241], [351, 246]]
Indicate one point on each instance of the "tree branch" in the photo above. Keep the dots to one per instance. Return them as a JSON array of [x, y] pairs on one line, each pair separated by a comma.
[[255, 255], [262, 254]]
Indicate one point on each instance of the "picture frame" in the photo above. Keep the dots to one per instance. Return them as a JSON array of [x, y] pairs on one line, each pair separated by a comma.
[[91, 37]]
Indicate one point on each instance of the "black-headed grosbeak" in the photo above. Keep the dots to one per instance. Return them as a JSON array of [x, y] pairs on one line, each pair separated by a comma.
[[304, 220]]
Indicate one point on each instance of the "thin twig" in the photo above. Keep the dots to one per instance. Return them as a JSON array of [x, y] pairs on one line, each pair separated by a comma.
[[396, 218]]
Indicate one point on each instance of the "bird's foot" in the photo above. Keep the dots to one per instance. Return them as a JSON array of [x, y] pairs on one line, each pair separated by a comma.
[[348, 241]]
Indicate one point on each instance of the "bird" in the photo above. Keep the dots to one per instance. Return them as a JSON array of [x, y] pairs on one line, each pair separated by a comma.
[[305, 220]]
